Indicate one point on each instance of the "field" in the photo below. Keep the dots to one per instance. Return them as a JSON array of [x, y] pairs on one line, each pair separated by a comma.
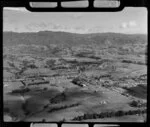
[[58, 83]]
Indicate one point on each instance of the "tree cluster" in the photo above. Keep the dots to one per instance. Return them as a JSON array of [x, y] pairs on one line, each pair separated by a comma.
[[62, 107], [21, 90], [109, 114], [137, 104], [134, 62]]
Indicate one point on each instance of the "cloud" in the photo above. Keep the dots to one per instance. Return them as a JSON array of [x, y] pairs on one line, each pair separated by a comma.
[[34, 27], [101, 29], [124, 25], [129, 24], [51, 26], [132, 24], [57, 26], [75, 15], [16, 9], [95, 29], [78, 29]]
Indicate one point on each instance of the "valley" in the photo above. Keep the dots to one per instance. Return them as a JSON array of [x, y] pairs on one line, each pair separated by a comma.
[[58, 76]]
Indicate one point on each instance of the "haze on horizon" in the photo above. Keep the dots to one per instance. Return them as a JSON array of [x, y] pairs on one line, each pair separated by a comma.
[[130, 21]]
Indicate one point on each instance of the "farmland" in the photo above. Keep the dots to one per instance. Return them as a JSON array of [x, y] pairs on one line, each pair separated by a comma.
[[74, 78]]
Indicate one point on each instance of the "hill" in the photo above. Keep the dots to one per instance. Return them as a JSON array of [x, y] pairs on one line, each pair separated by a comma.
[[70, 39]]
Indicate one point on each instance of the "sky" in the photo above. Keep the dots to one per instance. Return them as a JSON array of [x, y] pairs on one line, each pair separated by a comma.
[[130, 20]]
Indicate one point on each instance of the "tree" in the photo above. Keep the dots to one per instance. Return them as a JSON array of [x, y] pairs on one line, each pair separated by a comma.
[[43, 120], [119, 113], [134, 103], [45, 88], [32, 66]]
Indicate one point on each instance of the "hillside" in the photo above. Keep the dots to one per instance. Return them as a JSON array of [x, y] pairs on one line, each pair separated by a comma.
[[58, 76], [70, 39]]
